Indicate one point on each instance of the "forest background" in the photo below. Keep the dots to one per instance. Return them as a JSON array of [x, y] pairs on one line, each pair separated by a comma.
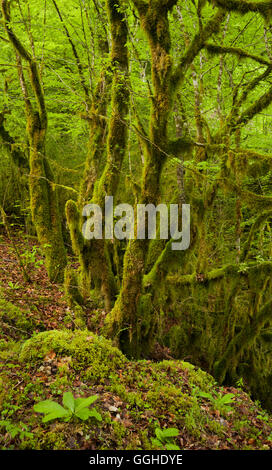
[[150, 102]]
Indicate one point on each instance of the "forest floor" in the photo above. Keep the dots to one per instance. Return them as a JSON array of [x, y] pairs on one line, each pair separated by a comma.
[[44, 354]]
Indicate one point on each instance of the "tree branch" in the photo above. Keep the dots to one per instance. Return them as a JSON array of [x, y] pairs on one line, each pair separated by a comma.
[[196, 45], [215, 49], [243, 6], [24, 54]]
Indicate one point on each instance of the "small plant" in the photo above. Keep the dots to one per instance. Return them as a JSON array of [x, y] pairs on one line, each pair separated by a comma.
[[164, 438], [220, 402], [78, 407], [263, 416], [14, 286], [240, 383], [31, 257], [15, 430]]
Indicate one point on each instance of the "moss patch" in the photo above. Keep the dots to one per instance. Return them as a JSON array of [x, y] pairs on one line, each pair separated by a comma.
[[14, 322], [88, 351]]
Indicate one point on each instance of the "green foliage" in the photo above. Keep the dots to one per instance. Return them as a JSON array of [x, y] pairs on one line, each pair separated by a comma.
[[15, 430], [220, 402], [13, 286], [31, 257], [165, 438], [72, 407]]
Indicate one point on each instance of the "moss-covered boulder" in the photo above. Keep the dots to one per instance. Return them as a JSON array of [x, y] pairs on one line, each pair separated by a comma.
[[87, 351]]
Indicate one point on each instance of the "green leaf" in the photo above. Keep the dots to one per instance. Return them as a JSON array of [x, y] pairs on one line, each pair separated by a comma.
[[83, 414], [69, 401], [47, 406], [84, 402], [170, 432], [95, 414], [156, 442], [172, 447], [51, 409], [228, 398], [14, 432], [159, 434], [205, 395], [56, 414]]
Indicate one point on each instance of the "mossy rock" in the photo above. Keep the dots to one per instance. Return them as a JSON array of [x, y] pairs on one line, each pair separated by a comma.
[[94, 354]]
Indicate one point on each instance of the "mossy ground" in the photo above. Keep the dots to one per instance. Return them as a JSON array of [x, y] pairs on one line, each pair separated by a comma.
[[43, 355], [134, 399]]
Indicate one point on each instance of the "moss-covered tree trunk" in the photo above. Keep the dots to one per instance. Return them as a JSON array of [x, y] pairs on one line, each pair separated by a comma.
[[131, 316], [94, 254], [44, 201], [15, 151], [43, 196]]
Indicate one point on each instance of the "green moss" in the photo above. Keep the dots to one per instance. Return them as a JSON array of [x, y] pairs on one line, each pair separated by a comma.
[[73, 220], [194, 422], [201, 379], [88, 351], [170, 398], [179, 340], [9, 349], [119, 433], [216, 428], [71, 286], [243, 7], [147, 395], [14, 322], [241, 342], [52, 440]]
